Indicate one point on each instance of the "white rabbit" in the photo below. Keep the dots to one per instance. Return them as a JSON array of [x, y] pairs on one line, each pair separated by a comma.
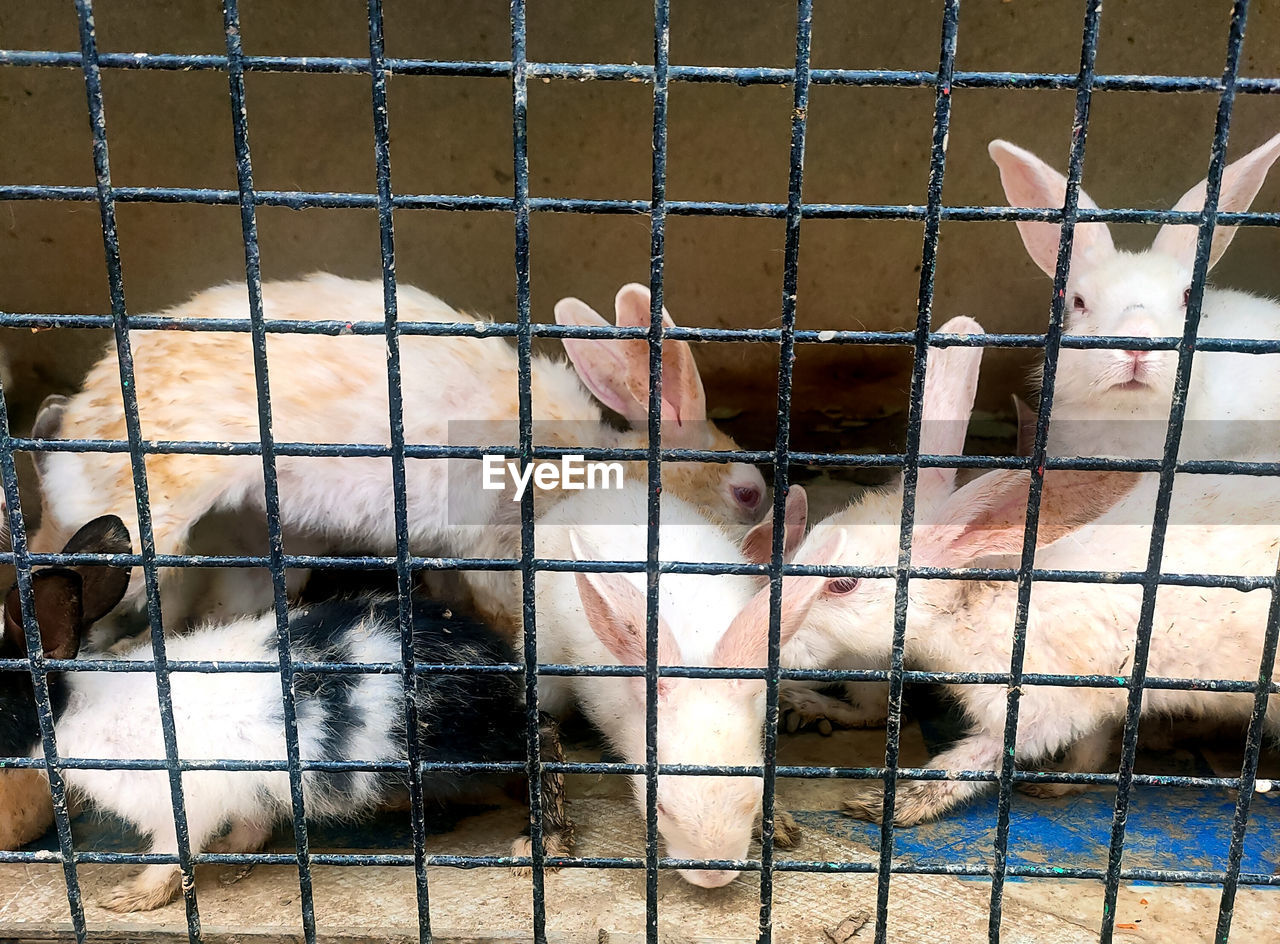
[[1116, 403], [1218, 525], [803, 704], [1075, 629], [237, 716], [599, 619], [458, 391], [951, 383]]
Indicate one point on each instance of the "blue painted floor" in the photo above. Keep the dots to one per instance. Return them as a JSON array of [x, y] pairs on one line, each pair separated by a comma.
[[1167, 829]]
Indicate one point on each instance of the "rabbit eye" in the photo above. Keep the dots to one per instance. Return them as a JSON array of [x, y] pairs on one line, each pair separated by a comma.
[[748, 496], [842, 585], [1186, 296], [1077, 303]]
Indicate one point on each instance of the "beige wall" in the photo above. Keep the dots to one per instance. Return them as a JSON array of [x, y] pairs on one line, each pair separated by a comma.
[[592, 140]]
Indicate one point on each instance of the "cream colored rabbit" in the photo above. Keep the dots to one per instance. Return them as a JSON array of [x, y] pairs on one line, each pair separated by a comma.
[[457, 391]]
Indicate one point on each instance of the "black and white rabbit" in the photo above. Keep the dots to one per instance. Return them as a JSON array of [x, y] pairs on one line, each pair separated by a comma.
[[229, 715]]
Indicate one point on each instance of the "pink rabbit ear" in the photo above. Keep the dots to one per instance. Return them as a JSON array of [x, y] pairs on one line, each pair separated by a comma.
[[683, 399], [604, 365], [615, 609], [1241, 181], [631, 306], [989, 515], [950, 385], [757, 546], [745, 644], [1030, 182], [617, 371]]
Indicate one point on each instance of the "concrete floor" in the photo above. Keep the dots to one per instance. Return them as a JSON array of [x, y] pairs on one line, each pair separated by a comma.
[[377, 903]]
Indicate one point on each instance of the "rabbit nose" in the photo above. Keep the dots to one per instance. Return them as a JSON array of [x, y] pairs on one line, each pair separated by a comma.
[[1138, 326], [708, 878]]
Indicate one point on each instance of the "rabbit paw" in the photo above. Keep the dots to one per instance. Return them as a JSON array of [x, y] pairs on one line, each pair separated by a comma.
[[786, 831], [553, 844], [153, 888], [915, 802], [806, 708], [243, 836]]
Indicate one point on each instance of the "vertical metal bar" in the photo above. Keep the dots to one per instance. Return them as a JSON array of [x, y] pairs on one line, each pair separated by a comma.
[[657, 261], [524, 344], [395, 409], [781, 451], [39, 675], [1249, 770], [910, 469], [271, 489], [1177, 410], [1053, 336], [128, 390]]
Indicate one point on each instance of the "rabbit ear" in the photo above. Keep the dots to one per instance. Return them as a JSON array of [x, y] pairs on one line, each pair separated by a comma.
[[56, 592], [1026, 419], [745, 644], [600, 364], [757, 546], [989, 515], [632, 307], [950, 385], [684, 400], [1241, 181], [615, 608], [1030, 182], [48, 421], [617, 371], [103, 586]]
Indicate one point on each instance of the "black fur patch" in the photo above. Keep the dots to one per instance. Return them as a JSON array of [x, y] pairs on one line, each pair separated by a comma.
[[19, 722], [322, 633], [462, 716]]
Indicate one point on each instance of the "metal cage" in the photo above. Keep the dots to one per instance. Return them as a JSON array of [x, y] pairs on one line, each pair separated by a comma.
[[659, 75]]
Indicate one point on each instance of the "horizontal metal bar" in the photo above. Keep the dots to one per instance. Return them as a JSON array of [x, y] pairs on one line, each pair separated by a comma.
[[601, 453], [1118, 578], [306, 200], [791, 771], [632, 72], [487, 329], [1163, 876], [564, 670]]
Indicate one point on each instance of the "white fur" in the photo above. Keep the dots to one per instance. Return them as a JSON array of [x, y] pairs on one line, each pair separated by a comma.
[[1218, 525], [700, 721], [951, 385], [219, 716], [1111, 402], [1085, 629]]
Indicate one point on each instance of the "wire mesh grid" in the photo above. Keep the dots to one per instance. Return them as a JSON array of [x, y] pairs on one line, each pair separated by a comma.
[[659, 75]]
